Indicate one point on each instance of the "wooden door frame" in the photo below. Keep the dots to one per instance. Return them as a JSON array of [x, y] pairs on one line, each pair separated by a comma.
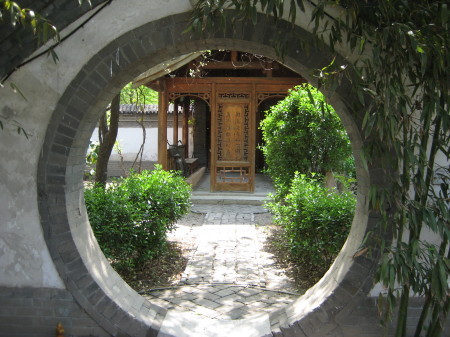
[[240, 94], [260, 89]]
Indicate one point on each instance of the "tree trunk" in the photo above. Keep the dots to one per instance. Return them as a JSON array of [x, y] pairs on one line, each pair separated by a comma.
[[107, 135]]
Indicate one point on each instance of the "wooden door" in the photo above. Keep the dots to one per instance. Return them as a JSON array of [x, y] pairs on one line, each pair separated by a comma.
[[232, 166]]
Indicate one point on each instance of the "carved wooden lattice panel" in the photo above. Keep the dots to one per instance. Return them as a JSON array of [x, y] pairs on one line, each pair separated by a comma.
[[232, 167], [203, 95], [232, 132], [234, 96]]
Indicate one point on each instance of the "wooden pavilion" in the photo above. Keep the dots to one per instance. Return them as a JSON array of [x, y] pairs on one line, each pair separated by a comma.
[[235, 89]]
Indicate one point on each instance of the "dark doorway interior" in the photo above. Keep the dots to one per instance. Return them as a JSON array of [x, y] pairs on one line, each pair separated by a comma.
[[202, 133], [263, 107]]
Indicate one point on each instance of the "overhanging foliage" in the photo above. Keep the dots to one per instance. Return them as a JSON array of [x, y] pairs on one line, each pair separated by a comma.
[[400, 74]]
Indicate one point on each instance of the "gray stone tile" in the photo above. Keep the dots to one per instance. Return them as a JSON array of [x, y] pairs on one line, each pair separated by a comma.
[[235, 314], [227, 249], [248, 292], [225, 292], [206, 303]]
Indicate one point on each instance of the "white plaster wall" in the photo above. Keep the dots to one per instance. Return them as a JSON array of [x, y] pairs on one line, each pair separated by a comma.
[[130, 140], [24, 257]]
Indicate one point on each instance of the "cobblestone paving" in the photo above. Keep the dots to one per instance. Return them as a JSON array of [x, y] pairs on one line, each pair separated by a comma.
[[228, 275], [220, 301]]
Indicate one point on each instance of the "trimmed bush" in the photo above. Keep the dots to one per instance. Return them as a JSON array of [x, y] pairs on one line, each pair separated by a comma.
[[302, 133], [316, 221], [131, 216]]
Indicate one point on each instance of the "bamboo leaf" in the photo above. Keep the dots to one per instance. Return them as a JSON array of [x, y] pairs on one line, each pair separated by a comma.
[[443, 277], [16, 89], [360, 95], [364, 161], [22, 130], [444, 14], [254, 16], [292, 11], [360, 252], [301, 5], [435, 283], [310, 96], [54, 55], [391, 283]]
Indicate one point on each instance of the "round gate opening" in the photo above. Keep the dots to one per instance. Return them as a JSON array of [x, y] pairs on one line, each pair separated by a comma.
[[88, 275]]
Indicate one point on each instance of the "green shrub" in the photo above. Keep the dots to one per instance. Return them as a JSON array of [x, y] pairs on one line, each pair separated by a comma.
[[131, 217], [316, 220], [304, 137]]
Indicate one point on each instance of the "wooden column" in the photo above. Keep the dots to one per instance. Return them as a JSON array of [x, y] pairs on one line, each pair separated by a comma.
[[252, 136], [213, 142], [186, 113], [175, 122], [234, 56], [162, 128]]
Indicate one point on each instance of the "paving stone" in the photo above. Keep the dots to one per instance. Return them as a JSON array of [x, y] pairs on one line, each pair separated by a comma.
[[235, 314], [225, 292], [248, 292], [257, 297], [206, 303], [226, 308], [189, 297], [226, 253], [176, 300], [260, 305], [271, 300], [205, 311], [229, 300], [209, 296]]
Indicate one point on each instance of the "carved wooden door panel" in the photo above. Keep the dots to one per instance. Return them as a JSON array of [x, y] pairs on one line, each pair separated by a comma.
[[233, 159]]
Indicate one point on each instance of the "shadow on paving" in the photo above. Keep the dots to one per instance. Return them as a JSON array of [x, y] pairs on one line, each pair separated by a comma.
[[229, 275]]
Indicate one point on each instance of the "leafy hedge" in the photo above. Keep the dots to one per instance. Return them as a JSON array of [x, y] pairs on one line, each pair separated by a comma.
[[131, 217], [316, 220], [303, 134]]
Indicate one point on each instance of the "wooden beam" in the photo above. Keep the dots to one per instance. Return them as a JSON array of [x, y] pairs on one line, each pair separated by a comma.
[[186, 114], [234, 56], [162, 129], [235, 65], [196, 85], [157, 85], [175, 122], [269, 69]]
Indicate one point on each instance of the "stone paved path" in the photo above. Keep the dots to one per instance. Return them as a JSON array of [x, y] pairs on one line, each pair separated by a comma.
[[228, 275]]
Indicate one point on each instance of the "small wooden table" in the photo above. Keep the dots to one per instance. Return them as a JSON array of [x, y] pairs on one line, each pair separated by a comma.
[[192, 164]]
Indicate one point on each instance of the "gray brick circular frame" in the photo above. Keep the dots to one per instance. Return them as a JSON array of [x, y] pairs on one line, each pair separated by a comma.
[[327, 309]]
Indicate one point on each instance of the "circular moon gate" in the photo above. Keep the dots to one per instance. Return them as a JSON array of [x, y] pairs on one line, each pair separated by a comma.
[[328, 307]]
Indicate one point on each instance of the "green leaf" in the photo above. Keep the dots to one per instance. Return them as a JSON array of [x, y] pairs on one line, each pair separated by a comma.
[[301, 5], [435, 283], [444, 14], [292, 11], [364, 161], [55, 57], [360, 95], [16, 89], [365, 119], [22, 130], [254, 16], [362, 44], [311, 98], [270, 7]]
